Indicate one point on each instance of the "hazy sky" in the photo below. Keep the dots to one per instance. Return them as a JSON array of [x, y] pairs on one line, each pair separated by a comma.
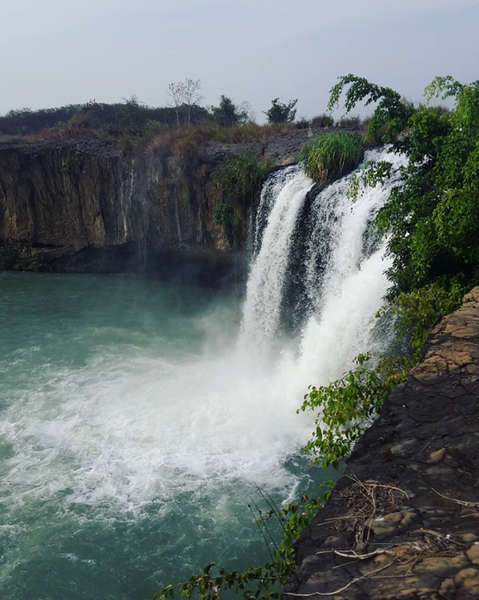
[[58, 52]]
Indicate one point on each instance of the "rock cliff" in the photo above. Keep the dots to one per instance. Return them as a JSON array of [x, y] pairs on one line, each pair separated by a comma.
[[86, 205], [403, 521], [82, 205]]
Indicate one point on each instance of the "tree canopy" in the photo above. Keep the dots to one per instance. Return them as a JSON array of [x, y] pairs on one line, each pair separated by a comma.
[[228, 113], [431, 214], [280, 112]]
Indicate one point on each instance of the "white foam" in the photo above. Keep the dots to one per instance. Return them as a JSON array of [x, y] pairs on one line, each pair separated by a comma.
[[126, 431], [139, 425]]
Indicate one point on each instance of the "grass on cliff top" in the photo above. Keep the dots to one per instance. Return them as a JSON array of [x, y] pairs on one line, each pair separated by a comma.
[[328, 157], [155, 134]]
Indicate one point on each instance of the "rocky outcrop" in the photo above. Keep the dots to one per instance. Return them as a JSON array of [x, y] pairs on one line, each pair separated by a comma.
[[403, 521], [85, 205]]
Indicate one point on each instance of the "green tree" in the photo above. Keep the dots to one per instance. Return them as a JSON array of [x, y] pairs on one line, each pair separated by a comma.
[[281, 113], [227, 113], [431, 214]]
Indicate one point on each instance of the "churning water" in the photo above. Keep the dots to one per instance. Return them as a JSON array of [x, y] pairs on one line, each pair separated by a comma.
[[137, 419]]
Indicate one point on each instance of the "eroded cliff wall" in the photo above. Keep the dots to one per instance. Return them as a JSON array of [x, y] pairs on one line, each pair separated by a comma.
[[87, 205], [84, 205]]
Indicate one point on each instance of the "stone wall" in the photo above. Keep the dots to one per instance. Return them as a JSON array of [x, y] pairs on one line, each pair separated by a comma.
[[83, 205]]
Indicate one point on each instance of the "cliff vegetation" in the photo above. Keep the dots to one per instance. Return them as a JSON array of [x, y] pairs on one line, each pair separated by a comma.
[[329, 157]]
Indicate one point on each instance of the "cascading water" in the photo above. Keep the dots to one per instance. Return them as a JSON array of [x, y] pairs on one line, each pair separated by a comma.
[[261, 313], [344, 280], [136, 419], [348, 293]]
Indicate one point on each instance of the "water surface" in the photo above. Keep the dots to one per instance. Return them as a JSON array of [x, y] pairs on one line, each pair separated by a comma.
[[133, 432]]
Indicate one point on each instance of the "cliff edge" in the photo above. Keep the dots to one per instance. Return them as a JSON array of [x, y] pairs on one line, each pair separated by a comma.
[[403, 521]]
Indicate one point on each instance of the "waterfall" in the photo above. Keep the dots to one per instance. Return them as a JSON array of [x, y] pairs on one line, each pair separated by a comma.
[[283, 194], [142, 410], [343, 273]]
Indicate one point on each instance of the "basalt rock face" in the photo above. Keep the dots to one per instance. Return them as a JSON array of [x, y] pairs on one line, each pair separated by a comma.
[[403, 522], [83, 205]]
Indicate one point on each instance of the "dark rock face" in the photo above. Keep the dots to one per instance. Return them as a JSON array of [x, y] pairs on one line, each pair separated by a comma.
[[403, 522], [81, 205]]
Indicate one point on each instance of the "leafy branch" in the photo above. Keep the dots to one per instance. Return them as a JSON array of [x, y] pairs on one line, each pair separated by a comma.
[[262, 581], [346, 406]]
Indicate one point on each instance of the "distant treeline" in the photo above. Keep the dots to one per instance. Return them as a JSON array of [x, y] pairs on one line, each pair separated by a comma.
[[130, 115], [135, 118]]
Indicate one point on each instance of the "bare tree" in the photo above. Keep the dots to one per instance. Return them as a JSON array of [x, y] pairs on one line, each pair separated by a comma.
[[175, 92], [190, 94], [246, 112], [184, 92]]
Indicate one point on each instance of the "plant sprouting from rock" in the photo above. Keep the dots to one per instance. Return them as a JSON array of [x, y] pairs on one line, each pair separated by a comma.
[[328, 157], [236, 179]]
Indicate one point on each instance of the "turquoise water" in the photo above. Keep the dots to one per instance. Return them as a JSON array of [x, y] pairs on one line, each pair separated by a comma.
[[133, 432]]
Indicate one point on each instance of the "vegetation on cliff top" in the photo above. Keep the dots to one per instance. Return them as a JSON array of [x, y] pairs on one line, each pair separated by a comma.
[[136, 119], [331, 156]]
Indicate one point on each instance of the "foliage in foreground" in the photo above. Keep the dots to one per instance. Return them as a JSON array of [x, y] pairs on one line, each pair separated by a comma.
[[256, 582], [329, 157], [431, 214], [345, 407]]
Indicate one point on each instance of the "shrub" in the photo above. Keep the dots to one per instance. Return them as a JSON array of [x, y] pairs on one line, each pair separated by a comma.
[[353, 122], [322, 121], [281, 113], [223, 214], [328, 157], [237, 179], [303, 123], [241, 176], [345, 407], [421, 309], [127, 144]]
